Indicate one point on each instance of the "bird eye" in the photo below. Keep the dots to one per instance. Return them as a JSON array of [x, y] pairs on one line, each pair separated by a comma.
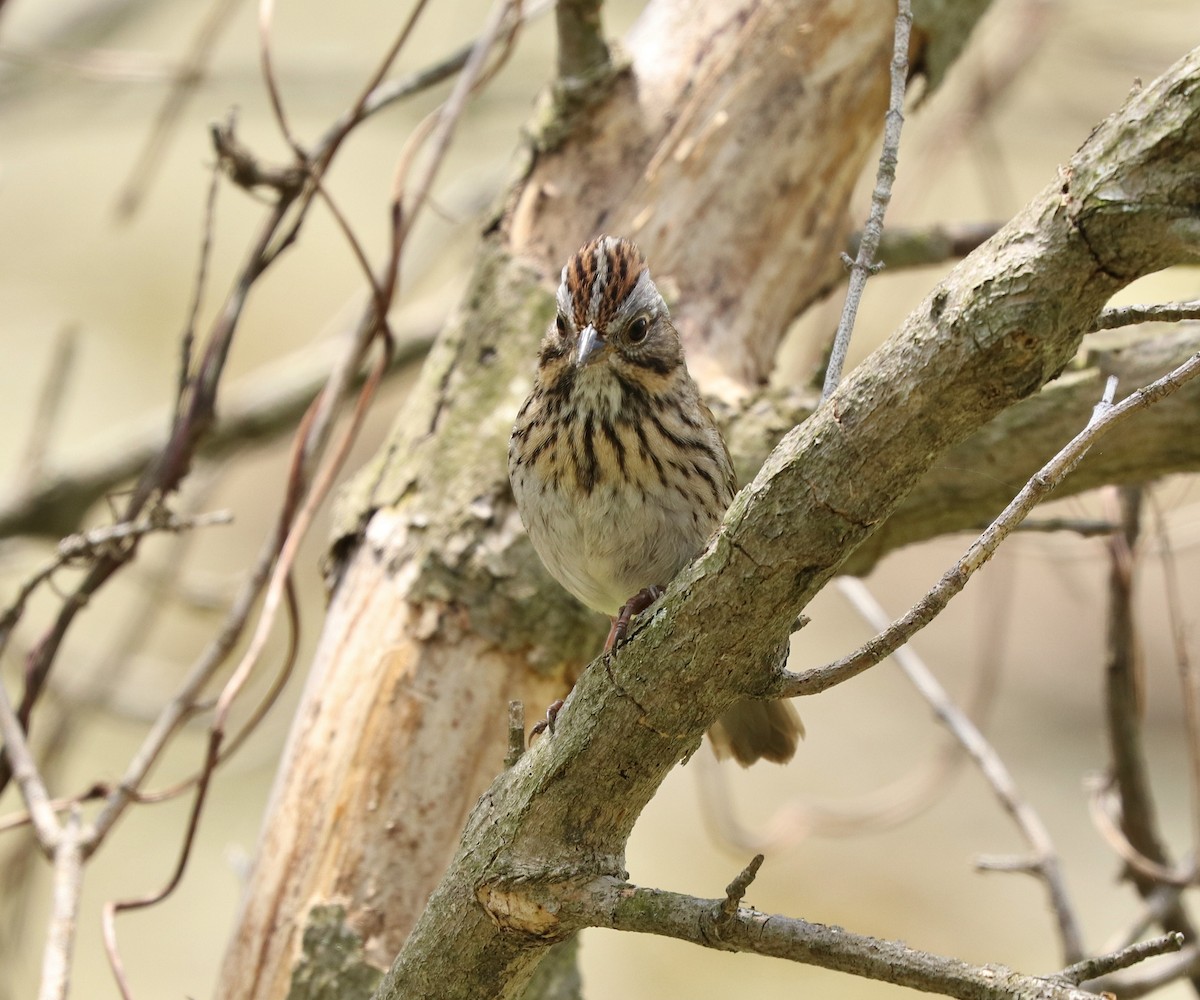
[[638, 329], [561, 323]]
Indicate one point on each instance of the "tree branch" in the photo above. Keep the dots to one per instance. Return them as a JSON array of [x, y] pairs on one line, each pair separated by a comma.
[[1007, 320], [582, 52], [864, 264], [1057, 469], [60, 935], [901, 247], [1045, 862], [1168, 312], [548, 909]]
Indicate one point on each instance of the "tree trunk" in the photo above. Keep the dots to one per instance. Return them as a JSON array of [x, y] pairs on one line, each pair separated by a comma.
[[728, 145], [442, 613]]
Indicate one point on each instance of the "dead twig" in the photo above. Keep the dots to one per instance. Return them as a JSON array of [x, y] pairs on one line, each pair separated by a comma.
[[1189, 678], [60, 934], [1102, 965], [1163, 312], [1135, 837], [1105, 416], [1045, 862], [864, 263], [49, 406]]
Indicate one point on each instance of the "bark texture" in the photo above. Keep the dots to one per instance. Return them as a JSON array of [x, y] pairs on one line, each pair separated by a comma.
[[727, 144], [729, 136], [1005, 322]]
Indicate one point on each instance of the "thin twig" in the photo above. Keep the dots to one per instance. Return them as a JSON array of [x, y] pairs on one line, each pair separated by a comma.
[[263, 407], [200, 285], [1164, 312], [112, 908], [60, 933], [449, 115], [1104, 418], [49, 406], [1045, 864], [883, 808], [1105, 806], [21, 817], [29, 780], [293, 524], [388, 92], [280, 583], [89, 544], [1136, 837], [1189, 677], [316, 429], [864, 265], [98, 682], [1142, 845], [313, 167], [182, 705], [194, 417], [735, 892], [1139, 982], [1102, 965]]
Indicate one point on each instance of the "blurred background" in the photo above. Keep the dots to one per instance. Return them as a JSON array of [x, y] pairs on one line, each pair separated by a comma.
[[100, 293]]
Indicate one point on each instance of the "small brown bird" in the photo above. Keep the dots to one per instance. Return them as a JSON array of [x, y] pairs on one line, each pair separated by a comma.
[[619, 470]]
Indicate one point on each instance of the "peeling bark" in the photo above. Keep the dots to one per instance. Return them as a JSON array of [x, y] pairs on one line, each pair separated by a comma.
[[441, 612]]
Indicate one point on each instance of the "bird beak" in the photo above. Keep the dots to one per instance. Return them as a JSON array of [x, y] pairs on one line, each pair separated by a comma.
[[589, 343]]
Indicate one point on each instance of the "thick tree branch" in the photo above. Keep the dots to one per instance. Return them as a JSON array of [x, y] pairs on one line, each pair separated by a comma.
[[1006, 321], [977, 478], [549, 909]]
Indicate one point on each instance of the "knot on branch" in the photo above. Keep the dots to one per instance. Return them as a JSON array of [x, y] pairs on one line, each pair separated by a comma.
[[566, 104], [244, 169], [515, 906], [722, 917]]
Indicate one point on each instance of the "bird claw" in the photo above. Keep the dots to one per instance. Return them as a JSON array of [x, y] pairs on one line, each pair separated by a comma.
[[548, 722], [638, 603]]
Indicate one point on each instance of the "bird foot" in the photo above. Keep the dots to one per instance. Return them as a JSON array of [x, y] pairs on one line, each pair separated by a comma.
[[638, 603], [548, 722]]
